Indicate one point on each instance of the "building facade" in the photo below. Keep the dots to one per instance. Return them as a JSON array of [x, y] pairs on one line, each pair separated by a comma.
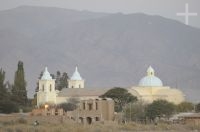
[[93, 110]]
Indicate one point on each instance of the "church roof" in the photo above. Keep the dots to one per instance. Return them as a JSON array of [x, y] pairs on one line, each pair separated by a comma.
[[76, 75], [79, 92], [46, 75], [150, 80]]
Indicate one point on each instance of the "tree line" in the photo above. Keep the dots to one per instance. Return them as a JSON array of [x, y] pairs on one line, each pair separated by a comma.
[[13, 96]]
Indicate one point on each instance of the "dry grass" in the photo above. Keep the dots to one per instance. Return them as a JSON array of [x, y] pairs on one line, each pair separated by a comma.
[[18, 123]]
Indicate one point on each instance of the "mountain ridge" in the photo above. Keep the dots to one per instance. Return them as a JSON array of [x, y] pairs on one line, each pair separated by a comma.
[[110, 49]]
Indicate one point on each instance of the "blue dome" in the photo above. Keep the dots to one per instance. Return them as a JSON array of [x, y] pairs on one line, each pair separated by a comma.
[[150, 80]]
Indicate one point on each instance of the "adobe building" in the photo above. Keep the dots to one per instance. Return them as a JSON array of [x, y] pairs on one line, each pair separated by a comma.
[[191, 119], [47, 110], [93, 110]]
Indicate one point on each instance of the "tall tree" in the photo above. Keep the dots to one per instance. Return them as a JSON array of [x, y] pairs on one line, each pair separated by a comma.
[[19, 88], [57, 82], [61, 81], [3, 91], [64, 80], [120, 96], [6, 106]]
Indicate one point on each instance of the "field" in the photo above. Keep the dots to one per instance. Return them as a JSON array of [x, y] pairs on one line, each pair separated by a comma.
[[24, 123]]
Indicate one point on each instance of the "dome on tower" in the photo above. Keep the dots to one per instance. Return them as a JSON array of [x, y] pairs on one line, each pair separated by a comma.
[[46, 75], [76, 75], [150, 80]]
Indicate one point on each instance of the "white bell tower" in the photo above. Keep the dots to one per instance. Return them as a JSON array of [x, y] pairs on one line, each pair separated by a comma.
[[47, 92], [76, 80]]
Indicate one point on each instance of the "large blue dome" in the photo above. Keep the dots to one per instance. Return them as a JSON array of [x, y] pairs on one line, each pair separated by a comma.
[[150, 80]]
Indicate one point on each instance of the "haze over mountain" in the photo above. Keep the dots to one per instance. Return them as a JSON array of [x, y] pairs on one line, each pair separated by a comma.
[[109, 49]]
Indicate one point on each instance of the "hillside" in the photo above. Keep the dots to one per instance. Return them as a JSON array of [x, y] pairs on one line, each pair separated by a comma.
[[109, 49]]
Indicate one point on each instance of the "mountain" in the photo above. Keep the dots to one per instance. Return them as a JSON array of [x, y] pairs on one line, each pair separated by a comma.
[[109, 49]]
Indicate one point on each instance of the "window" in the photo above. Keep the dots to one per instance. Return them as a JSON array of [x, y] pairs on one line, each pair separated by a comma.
[[83, 106], [90, 106], [50, 88], [97, 118], [96, 105], [43, 87]]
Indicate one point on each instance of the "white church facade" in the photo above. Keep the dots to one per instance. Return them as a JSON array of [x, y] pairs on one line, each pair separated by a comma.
[[47, 93], [150, 88]]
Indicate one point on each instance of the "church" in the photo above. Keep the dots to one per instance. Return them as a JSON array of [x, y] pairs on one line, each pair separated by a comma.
[[150, 88], [47, 94]]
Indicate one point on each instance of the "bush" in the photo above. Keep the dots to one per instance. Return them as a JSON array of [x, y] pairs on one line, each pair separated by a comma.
[[7, 106], [159, 108], [197, 107], [22, 121], [27, 109], [68, 106]]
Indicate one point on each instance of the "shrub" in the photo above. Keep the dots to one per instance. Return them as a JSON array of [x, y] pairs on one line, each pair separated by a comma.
[[7, 106], [68, 106], [22, 121]]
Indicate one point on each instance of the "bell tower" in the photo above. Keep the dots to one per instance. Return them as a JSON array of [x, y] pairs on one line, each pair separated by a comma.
[[47, 92], [76, 80]]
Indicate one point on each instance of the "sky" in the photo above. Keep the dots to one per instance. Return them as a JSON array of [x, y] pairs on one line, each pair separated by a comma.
[[165, 8]]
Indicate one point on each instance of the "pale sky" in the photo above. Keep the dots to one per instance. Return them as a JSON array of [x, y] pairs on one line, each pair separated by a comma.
[[165, 8]]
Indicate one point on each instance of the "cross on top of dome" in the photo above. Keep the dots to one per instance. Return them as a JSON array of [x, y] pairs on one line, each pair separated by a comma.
[[150, 71]]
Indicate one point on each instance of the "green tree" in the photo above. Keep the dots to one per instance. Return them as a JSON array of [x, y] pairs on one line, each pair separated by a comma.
[[64, 80], [197, 107], [6, 106], [135, 111], [19, 88], [160, 108], [120, 96], [61, 81], [185, 107], [70, 105], [57, 82], [3, 91]]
